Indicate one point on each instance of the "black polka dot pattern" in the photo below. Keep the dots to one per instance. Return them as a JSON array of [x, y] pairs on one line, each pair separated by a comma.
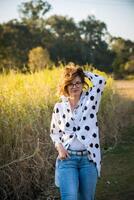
[[83, 137], [93, 107], [98, 90], [74, 129], [67, 124], [91, 145], [94, 135], [92, 98], [71, 136], [85, 108], [84, 118], [100, 81], [97, 146], [89, 152], [81, 122], [87, 128], [57, 110], [92, 115]]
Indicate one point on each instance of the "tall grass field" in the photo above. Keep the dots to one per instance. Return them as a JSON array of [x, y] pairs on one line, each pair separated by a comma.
[[27, 155]]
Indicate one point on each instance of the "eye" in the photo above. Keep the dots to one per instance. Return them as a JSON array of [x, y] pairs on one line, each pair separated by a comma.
[[78, 82]]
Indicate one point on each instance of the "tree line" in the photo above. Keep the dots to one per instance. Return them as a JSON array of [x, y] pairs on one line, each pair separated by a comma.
[[35, 41]]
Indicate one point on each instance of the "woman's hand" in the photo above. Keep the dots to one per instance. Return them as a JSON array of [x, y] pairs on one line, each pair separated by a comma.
[[63, 154]]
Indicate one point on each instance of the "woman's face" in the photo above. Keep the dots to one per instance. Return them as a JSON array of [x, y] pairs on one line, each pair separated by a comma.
[[75, 87]]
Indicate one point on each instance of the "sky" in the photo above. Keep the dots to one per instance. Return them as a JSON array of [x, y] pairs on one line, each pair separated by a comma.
[[118, 15]]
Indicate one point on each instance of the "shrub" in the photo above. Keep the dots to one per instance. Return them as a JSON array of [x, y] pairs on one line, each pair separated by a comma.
[[38, 59]]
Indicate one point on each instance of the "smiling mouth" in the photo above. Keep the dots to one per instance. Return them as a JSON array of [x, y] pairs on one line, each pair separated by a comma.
[[74, 90]]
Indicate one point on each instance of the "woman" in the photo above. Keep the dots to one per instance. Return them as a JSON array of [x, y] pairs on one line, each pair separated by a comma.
[[74, 131]]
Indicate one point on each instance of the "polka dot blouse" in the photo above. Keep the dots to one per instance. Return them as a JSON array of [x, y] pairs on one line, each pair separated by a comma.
[[82, 122]]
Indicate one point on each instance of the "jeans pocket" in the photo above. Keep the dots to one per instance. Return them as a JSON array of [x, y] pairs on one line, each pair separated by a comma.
[[67, 158], [59, 164]]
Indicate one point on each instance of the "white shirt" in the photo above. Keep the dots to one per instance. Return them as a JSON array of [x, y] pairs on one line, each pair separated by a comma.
[[82, 122], [76, 145]]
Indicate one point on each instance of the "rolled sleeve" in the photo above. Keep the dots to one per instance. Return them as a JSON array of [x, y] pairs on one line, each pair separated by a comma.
[[99, 83], [97, 80]]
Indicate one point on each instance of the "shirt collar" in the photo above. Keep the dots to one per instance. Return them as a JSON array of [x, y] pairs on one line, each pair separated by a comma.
[[65, 99]]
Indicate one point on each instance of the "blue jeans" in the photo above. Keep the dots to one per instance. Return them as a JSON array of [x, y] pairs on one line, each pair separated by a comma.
[[77, 178]]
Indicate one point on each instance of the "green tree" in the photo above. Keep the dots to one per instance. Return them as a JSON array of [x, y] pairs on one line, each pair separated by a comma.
[[15, 42], [33, 10], [97, 52], [92, 30], [124, 50], [66, 44], [65, 40]]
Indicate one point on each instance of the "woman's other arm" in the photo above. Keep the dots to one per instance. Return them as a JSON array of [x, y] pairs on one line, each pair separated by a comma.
[[56, 135]]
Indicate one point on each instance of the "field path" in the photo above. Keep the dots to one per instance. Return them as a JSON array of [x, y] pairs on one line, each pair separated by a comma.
[[117, 180]]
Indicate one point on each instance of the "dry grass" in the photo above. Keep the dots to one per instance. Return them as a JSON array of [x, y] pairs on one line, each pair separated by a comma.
[[26, 151]]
